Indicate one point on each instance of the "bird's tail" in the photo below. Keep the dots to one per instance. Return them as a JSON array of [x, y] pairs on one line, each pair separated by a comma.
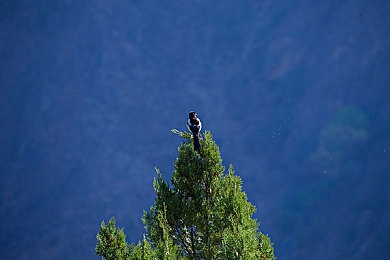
[[196, 143]]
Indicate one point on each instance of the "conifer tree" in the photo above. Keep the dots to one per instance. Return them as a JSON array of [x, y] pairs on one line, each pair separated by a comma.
[[203, 214]]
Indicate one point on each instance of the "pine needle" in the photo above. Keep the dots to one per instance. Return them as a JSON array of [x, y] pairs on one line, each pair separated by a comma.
[[185, 135]]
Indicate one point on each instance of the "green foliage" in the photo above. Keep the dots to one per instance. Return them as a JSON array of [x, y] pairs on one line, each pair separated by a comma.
[[265, 246], [143, 251], [112, 242], [204, 215]]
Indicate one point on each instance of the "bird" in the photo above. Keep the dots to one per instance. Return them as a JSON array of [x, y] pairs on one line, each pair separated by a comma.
[[194, 125]]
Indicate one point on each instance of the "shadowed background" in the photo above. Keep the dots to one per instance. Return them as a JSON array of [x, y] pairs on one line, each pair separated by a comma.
[[296, 94]]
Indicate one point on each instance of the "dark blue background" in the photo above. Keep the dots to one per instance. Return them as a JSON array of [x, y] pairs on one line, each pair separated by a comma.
[[296, 94]]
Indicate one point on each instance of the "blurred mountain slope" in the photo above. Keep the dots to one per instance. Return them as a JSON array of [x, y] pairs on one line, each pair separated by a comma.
[[89, 92]]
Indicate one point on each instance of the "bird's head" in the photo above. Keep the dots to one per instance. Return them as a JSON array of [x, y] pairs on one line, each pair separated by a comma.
[[192, 114]]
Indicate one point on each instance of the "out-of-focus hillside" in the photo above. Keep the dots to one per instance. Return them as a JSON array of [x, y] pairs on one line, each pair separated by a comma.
[[296, 93]]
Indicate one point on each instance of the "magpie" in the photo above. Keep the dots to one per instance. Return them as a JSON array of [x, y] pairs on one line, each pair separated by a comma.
[[194, 125]]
